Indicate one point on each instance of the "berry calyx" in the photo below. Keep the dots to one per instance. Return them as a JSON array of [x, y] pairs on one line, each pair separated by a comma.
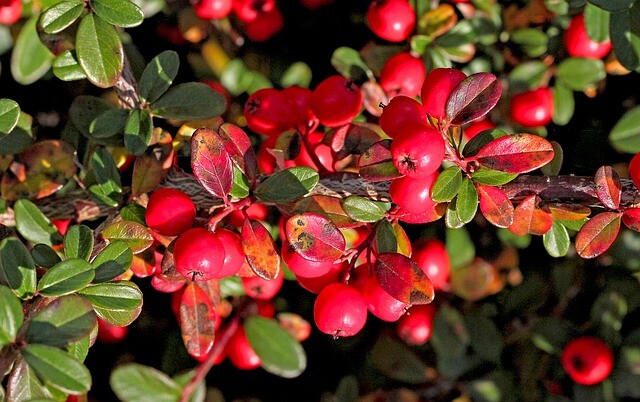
[[416, 326], [431, 256], [198, 255], [170, 212], [437, 87], [579, 44], [587, 360], [417, 150], [391, 20], [532, 108], [340, 310], [213, 9], [336, 101]]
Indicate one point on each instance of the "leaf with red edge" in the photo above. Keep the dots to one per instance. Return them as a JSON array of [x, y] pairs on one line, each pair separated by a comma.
[[568, 212], [631, 218], [151, 168], [376, 163], [608, 187], [474, 97], [327, 206], [528, 218], [137, 237], [238, 146], [403, 279], [211, 162], [517, 153], [315, 237], [352, 139], [166, 284], [197, 318], [597, 235], [295, 325], [144, 264], [260, 249], [495, 206]]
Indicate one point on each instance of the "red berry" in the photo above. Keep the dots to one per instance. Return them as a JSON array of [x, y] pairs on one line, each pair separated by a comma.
[[109, 333], [212, 9], [315, 4], [170, 211], [255, 211], [303, 267], [265, 25], [241, 353], [249, 10], [268, 112], [340, 310], [380, 303], [402, 74], [391, 20], [532, 108], [266, 308], [587, 360], [198, 255], [300, 100], [399, 111], [416, 326], [262, 289], [234, 255], [477, 127], [10, 11], [413, 196], [579, 44], [417, 150], [336, 101], [315, 285], [634, 170], [432, 257], [62, 225], [436, 89]]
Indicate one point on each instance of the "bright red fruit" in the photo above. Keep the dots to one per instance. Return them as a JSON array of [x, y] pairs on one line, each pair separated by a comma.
[[402, 74], [109, 333], [380, 303], [416, 326], [432, 257], [417, 150], [399, 111], [62, 225], [476, 127], [336, 101], [340, 310], [300, 100], [240, 352], [587, 360], [199, 255], [268, 112], [315, 4], [265, 25], [249, 10], [392, 20], [234, 255], [436, 89], [315, 285], [255, 211], [413, 196], [262, 289], [213, 9], [579, 44], [634, 170], [10, 11], [170, 211], [303, 267], [532, 108]]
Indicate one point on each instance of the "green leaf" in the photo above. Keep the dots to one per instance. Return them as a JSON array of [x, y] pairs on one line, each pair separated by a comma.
[[158, 76], [516, 241], [99, 51], [136, 236], [279, 352], [363, 210], [66, 277], [109, 123], [24, 385], [625, 41], [58, 369], [189, 101], [579, 74], [112, 261], [397, 362], [447, 185], [67, 68], [107, 189], [450, 337], [467, 201], [460, 247], [60, 16], [85, 109], [564, 104], [596, 22], [19, 138], [33, 225], [241, 184], [492, 177], [287, 185], [556, 241], [118, 303], [134, 213], [349, 63], [11, 316], [80, 349], [138, 131], [9, 115], [62, 322], [17, 269], [486, 339], [532, 41], [30, 59], [528, 75], [121, 13], [612, 5], [299, 73], [78, 242], [625, 135], [137, 383]]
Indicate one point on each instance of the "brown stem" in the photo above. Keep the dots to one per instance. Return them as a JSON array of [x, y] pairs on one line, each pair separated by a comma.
[[127, 87]]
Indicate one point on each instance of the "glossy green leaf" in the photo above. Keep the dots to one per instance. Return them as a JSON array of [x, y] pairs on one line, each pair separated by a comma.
[[625, 40], [33, 225], [112, 261], [189, 101], [62, 322], [362, 209], [532, 41], [118, 303], [58, 369], [78, 242], [30, 59], [612, 5], [138, 131], [44, 256], [298, 73], [625, 135], [527, 75], [287, 185], [579, 74], [460, 247], [67, 68], [107, 188], [137, 383], [596, 22], [80, 349], [17, 269], [397, 361], [60, 16], [66, 277], [556, 241], [19, 138], [109, 123], [136, 236], [158, 75], [85, 109], [24, 385], [99, 51], [348, 62], [11, 316], [467, 203], [9, 115], [564, 104], [122, 13], [240, 188], [447, 184], [134, 212]]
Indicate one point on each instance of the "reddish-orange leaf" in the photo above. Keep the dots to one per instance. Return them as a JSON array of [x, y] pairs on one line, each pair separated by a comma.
[[352, 139], [495, 206], [631, 218], [260, 249], [568, 212], [212, 289], [166, 284], [295, 325], [528, 218], [315, 237], [238, 145], [137, 237], [376, 163], [144, 264], [517, 153], [211, 162], [197, 318], [608, 187], [328, 206], [403, 279], [150, 168], [597, 235]]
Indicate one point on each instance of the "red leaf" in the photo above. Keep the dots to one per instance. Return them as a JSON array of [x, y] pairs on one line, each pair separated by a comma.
[[352, 139], [238, 146], [197, 318], [150, 168], [327, 206], [260, 249], [166, 284], [211, 162], [144, 264], [597, 235], [517, 153], [295, 325], [608, 187], [376, 163], [315, 237], [212, 290], [530, 219], [495, 206], [631, 218], [568, 212], [474, 97], [403, 279]]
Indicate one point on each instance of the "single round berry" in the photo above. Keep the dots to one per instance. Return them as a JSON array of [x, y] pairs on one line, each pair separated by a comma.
[[240, 352], [170, 212], [268, 112], [340, 310], [315, 285], [265, 25], [587, 360], [413, 196], [579, 44], [400, 111], [198, 255], [109, 333], [476, 127], [249, 10], [432, 257], [336, 101], [213, 9], [634, 170], [262, 289], [437, 87], [532, 108], [417, 150], [10, 11], [402, 74], [380, 303], [234, 255], [391, 20], [303, 267], [416, 326]]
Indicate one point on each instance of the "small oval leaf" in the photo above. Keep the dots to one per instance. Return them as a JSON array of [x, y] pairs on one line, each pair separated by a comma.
[[11, 316], [608, 187], [260, 249], [197, 318], [62, 322], [66, 277], [58, 369], [288, 185], [78, 242], [598, 234], [496, 206], [529, 218], [474, 97], [403, 279], [211, 162], [136, 236], [517, 153], [447, 184], [315, 237], [118, 303]]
